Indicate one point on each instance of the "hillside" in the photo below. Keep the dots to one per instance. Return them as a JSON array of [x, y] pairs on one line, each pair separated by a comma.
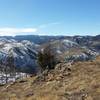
[[77, 81], [66, 50], [24, 54]]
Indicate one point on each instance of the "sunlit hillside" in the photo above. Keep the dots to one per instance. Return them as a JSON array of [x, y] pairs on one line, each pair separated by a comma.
[[77, 81]]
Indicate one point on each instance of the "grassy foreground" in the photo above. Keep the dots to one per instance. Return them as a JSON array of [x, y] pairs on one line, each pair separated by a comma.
[[79, 81]]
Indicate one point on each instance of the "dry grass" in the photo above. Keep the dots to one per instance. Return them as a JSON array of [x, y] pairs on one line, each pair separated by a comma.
[[82, 84]]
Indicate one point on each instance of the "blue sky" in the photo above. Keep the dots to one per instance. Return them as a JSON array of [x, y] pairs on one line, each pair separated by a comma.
[[49, 17]]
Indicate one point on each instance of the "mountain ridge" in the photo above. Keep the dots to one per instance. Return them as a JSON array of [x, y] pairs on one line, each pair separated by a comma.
[[25, 52]]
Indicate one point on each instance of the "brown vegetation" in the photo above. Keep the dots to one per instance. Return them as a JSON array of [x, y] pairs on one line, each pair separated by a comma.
[[78, 81]]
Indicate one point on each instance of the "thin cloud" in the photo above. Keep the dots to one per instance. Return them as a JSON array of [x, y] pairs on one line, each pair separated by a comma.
[[16, 31], [48, 24]]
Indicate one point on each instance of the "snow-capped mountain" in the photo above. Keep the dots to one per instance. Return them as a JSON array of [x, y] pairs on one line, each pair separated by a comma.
[[24, 53], [60, 46], [68, 50], [24, 49]]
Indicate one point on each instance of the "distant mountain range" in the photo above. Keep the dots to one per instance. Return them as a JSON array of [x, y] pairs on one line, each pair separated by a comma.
[[34, 38], [25, 49], [42, 39]]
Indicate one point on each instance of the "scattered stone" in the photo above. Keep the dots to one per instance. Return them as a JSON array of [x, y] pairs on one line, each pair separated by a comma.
[[29, 94], [22, 81]]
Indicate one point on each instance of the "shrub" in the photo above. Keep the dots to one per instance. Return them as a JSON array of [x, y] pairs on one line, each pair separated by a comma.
[[46, 58]]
